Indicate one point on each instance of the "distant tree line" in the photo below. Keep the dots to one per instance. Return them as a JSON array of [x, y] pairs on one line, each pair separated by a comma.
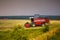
[[27, 17]]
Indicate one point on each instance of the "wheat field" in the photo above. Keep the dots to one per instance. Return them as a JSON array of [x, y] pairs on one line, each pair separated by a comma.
[[34, 33], [12, 23]]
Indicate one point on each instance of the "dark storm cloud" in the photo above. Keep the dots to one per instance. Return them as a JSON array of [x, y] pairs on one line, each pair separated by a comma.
[[29, 7]]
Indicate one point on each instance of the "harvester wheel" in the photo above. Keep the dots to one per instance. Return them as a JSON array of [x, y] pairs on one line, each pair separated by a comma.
[[33, 25], [43, 25], [47, 24]]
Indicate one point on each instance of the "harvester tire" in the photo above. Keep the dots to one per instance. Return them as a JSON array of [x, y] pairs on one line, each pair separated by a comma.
[[43, 25], [33, 25]]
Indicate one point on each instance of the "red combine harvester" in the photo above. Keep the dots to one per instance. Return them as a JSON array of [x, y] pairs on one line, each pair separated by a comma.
[[37, 21]]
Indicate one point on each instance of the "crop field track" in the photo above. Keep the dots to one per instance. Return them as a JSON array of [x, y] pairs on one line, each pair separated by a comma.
[[16, 27]]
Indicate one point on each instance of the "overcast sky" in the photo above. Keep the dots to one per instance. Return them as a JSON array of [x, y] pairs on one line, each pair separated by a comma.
[[29, 7]]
